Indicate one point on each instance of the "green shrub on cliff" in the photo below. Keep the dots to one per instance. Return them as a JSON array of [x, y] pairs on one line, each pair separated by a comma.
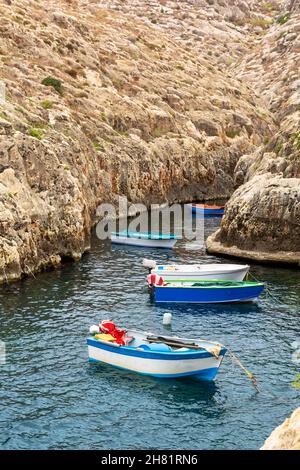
[[54, 83], [296, 139], [261, 22], [98, 147], [231, 133], [283, 19], [36, 133], [268, 6], [47, 104], [296, 382]]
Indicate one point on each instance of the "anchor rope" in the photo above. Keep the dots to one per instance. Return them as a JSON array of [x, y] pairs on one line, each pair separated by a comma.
[[236, 360], [267, 288]]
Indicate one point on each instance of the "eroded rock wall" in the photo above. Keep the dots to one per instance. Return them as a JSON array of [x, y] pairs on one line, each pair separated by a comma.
[[101, 103], [262, 218]]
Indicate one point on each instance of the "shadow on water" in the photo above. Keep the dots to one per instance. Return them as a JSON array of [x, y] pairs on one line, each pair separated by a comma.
[[182, 392], [211, 309]]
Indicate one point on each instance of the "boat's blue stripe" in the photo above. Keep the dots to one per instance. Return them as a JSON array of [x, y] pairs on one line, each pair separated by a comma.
[[208, 211], [117, 242], [205, 374], [127, 351], [145, 235]]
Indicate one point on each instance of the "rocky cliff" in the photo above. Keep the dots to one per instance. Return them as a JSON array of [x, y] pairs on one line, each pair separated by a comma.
[[115, 100], [155, 100], [262, 219], [286, 436]]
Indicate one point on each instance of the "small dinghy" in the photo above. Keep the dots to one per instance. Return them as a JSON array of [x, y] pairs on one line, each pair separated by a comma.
[[144, 239], [207, 209], [157, 356], [206, 292], [194, 272]]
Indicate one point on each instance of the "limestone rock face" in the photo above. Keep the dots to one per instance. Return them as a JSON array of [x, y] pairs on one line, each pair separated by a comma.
[[105, 100], [262, 221], [286, 436]]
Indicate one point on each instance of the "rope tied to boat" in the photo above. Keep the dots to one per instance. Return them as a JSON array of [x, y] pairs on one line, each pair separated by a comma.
[[267, 288], [249, 374]]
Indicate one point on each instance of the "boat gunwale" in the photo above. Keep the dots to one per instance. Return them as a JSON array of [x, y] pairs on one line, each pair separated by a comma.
[[200, 205], [244, 285], [163, 266], [145, 236], [152, 354]]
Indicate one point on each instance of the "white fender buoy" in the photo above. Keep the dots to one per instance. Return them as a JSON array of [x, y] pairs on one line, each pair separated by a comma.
[[167, 318], [149, 263], [94, 329]]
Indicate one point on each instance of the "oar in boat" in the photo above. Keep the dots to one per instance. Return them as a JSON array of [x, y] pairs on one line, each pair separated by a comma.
[[171, 342], [181, 344]]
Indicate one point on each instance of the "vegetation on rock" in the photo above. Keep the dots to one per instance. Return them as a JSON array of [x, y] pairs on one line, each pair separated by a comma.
[[54, 83]]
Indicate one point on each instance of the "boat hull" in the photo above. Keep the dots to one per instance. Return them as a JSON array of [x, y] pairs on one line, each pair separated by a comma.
[[207, 211], [225, 272], [201, 365], [145, 243], [206, 295]]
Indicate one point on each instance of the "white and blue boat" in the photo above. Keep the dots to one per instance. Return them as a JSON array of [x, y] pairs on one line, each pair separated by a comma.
[[145, 239], [207, 292], [157, 356]]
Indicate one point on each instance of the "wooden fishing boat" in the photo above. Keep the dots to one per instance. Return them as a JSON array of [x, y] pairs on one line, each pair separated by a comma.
[[207, 209], [206, 292], [144, 239], [159, 356], [194, 272]]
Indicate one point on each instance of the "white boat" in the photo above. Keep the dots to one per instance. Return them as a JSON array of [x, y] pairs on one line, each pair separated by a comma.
[[195, 272], [144, 239], [160, 356]]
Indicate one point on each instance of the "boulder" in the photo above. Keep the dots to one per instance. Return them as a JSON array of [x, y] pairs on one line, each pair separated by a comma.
[[261, 221], [286, 436]]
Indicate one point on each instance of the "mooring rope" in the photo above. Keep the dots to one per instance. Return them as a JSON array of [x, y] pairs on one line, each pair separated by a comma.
[[267, 288], [235, 360], [253, 379]]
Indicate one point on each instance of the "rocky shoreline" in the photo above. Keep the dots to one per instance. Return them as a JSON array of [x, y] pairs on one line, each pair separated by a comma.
[[262, 218], [286, 436]]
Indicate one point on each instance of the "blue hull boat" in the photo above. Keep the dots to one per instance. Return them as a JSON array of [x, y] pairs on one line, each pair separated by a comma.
[[206, 292], [207, 210]]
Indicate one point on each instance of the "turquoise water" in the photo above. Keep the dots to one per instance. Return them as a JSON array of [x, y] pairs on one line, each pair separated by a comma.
[[51, 398]]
